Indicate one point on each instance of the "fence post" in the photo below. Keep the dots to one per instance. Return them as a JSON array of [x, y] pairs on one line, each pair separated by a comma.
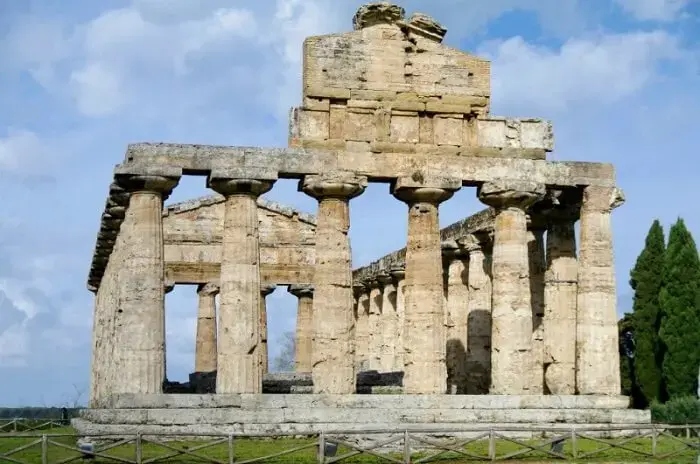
[[321, 448], [139, 450], [406, 448], [653, 441], [230, 448], [574, 445], [14, 425], [44, 449], [492, 445]]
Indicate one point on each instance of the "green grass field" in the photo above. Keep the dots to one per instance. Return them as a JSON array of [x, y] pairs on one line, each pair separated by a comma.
[[59, 443]]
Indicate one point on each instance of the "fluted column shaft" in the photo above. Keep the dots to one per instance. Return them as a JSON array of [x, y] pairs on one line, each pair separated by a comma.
[[479, 315], [511, 354], [362, 329], [140, 321], [398, 274], [205, 344], [457, 293], [535, 245], [561, 280], [333, 320], [238, 357], [388, 324], [265, 290], [597, 351], [304, 329], [374, 325], [424, 328]]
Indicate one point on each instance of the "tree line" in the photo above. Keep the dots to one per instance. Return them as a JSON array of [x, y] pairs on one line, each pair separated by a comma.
[[664, 326]]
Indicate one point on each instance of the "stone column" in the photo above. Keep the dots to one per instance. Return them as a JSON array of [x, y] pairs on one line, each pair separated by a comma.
[[374, 326], [265, 290], [362, 327], [535, 245], [304, 329], [333, 320], [597, 352], [238, 358], [456, 267], [478, 314], [205, 345], [424, 330], [398, 275], [388, 323], [140, 320], [561, 280], [511, 317]]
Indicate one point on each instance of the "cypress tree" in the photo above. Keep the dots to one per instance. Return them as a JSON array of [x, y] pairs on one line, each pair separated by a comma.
[[680, 313], [646, 321], [630, 387]]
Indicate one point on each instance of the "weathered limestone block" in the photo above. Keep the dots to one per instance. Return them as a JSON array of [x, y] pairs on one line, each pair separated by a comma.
[[536, 252], [424, 330], [361, 327], [399, 274], [512, 312], [388, 324], [478, 314], [457, 293], [333, 320], [205, 343], [374, 324], [597, 353], [501, 132], [239, 368], [371, 14], [304, 331], [561, 280], [265, 290]]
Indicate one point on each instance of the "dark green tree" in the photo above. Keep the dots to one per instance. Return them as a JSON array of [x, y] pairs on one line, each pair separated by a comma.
[[680, 313], [646, 319], [630, 386]]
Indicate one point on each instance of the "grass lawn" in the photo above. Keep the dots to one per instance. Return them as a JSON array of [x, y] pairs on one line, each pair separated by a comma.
[[58, 449]]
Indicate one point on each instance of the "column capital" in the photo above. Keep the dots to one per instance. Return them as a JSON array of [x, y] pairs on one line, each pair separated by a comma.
[[603, 199], [168, 286], [503, 195], [240, 186], [385, 279], [300, 291], [266, 289], [398, 273], [131, 183], [333, 185], [451, 250], [475, 243], [208, 289], [418, 189]]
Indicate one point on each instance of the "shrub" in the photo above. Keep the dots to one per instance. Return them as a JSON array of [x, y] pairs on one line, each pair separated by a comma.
[[681, 410]]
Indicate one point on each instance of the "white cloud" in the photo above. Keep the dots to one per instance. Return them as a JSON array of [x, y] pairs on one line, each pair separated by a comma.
[[589, 71], [654, 10], [21, 152], [14, 346]]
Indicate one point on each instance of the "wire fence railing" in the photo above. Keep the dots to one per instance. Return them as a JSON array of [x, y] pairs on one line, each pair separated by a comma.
[[657, 443]]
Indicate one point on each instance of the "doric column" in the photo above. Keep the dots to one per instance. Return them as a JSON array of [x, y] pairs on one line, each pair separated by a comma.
[[561, 280], [535, 245], [361, 326], [388, 323], [456, 266], [478, 313], [333, 320], [597, 353], [238, 357], [205, 345], [374, 326], [303, 347], [140, 320], [265, 290], [512, 312], [399, 275], [424, 329]]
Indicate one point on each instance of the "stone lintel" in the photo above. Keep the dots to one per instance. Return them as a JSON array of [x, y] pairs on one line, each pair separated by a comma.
[[296, 163], [301, 290]]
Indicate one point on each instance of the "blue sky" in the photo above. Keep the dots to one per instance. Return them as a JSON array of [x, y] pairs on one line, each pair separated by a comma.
[[80, 79]]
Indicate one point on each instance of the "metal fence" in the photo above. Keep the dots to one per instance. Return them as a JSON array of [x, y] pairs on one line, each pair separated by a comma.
[[632, 444]]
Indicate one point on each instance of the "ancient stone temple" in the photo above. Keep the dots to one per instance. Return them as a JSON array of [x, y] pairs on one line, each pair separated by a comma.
[[501, 318]]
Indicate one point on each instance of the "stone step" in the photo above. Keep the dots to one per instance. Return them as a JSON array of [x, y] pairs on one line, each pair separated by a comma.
[[404, 415], [387, 401]]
